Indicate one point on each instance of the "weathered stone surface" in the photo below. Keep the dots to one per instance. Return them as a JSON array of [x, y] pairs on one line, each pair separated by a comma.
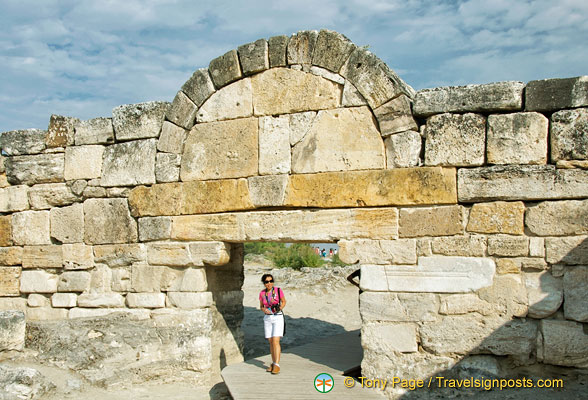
[[235, 142], [398, 307], [138, 121], [181, 112], [230, 102], [189, 301], [274, 145], [120, 254], [194, 280], [42, 257], [99, 300], [388, 338], [497, 217], [567, 250], [83, 162], [465, 246], [430, 221], [508, 295], [395, 116], [536, 247], [325, 73], [12, 331], [146, 278], [499, 96], [131, 163], [108, 221], [77, 256], [100, 279], [21, 142], [30, 228], [351, 131], [558, 218], [51, 195], [212, 253], [297, 91], [277, 51], [508, 246], [555, 94], [455, 140], [401, 251], [331, 51], [10, 255], [403, 150], [38, 282], [78, 186], [167, 167], [569, 135], [146, 300], [545, 293], [94, 131], [154, 228], [168, 253], [30, 170], [64, 300], [457, 304], [5, 231], [199, 87], [9, 281], [60, 132], [562, 343], [38, 300], [14, 198], [525, 182], [575, 287], [301, 47], [519, 138], [225, 69], [323, 225], [67, 223], [268, 190], [300, 124], [351, 96], [507, 266], [121, 279], [254, 57], [172, 138]]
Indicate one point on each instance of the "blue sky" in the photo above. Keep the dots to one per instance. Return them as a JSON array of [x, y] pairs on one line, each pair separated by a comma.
[[82, 58]]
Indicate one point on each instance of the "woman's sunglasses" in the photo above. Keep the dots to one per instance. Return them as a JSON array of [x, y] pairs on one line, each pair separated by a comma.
[[270, 281]]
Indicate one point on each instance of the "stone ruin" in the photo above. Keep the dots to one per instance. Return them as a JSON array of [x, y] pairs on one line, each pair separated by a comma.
[[466, 208]]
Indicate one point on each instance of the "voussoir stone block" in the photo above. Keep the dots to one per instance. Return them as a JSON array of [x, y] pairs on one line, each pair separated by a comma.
[[398, 307], [83, 162], [172, 138], [225, 69], [499, 96], [558, 218], [199, 87], [274, 145], [60, 132], [569, 135], [14, 198], [555, 94], [131, 163], [30, 170], [22, 142], [108, 221], [277, 51], [268, 190], [67, 223], [12, 332], [10, 281], [519, 138], [94, 131], [332, 49], [497, 217], [575, 286], [254, 57], [231, 102], [301, 47], [138, 121], [562, 343], [430, 221], [400, 251], [545, 293], [30, 228], [182, 112], [395, 116], [403, 150], [49, 195], [455, 140], [572, 250], [38, 282]]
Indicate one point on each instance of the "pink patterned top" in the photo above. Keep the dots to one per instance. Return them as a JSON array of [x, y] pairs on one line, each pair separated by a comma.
[[273, 297]]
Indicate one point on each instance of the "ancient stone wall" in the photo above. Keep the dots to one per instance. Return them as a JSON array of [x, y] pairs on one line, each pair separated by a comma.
[[466, 207]]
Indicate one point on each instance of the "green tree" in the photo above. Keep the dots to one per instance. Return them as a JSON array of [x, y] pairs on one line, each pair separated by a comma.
[[297, 256]]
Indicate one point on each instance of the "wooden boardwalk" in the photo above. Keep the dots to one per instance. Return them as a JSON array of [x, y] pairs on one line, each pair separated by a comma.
[[299, 367]]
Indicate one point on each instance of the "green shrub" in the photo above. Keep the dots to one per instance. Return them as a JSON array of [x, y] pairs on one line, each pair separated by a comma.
[[262, 247], [296, 256], [336, 261]]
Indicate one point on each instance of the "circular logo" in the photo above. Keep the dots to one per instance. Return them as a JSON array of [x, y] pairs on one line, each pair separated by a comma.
[[324, 383]]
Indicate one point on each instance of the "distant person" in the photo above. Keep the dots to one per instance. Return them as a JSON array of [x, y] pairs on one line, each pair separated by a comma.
[[317, 251], [331, 252], [272, 302], [323, 253]]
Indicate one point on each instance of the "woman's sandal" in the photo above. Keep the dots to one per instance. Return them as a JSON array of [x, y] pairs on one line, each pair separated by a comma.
[[270, 368]]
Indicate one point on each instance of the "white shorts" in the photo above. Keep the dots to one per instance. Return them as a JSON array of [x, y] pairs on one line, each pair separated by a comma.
[[273, 325]]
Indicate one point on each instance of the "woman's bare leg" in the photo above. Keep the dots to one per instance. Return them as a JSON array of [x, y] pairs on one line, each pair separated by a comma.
[[277, 349]]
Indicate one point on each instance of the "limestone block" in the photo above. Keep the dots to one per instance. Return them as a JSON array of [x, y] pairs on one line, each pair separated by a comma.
[[423, 247], [497, 217], [331, 51], [42, 257], [5, 230], [545, 293], [9, 281], [254, 57], [536, 247], [14, 198], [64, 300], [78, 186], [83, 162], [12, 331], [374, 80], [74, 281], [108, 221], [322, 225], [508, 295], [3, 181], [403, 150], [400, 251], [274, 145], [218, 150], [568, 135], [301, 47], [455, 139], [491, 97], [101, 300], [300, 124], [94, 131], [562, 343], [225, 69], [520, 182], [77, 256], [212, 253], [30, 170], [465, 246], [154, 228], [194, 280], [182, 112], [189, 301], [351, 96], [146, 278], [37, 300], [297, 91], [459, 304], [325, 73], [94, 192], [30, 228], [395, 116], [101, 312], [168, 253], [575, 286], [21, 142], [46, 314], [519, 138], [558, 218], [199, 87], [146, 300], [430, 221], [398, 307], [49, 195], [167, 167], [508, 246], [131, 163], [118, 192], [121, 279], [277, 51], [566, 250], [2, 168], [138, 121], [10, 255], [555, 94], [67, 223], [38, 282], [60, 132], [100, 279], [172, 138], [120, 254], [388, 338], [268, 190], [516, 338], [507, 266], [231, 102]]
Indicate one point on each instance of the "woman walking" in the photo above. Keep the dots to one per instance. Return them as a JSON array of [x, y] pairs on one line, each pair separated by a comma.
[[272, 302]]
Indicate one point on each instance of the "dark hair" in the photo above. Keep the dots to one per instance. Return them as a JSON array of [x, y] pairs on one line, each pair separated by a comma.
[[265, 276]]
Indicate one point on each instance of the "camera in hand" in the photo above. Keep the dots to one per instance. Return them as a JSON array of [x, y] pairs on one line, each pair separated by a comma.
[[275, 308]]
